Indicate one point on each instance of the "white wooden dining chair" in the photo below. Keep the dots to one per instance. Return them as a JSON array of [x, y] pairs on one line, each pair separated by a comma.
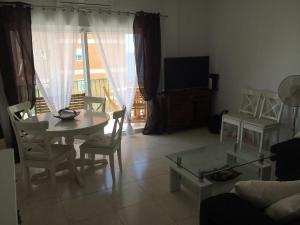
[[248, 109], [41, 154], [268, 120], [106, 145], [94, 104]]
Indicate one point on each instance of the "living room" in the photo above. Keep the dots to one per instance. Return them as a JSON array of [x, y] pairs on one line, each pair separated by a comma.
[[250, 44]]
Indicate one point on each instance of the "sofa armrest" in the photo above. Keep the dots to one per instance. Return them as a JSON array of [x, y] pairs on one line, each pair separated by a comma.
[[228, 208]]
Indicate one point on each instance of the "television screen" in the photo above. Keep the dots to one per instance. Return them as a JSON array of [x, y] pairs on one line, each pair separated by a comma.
[[186, 72]]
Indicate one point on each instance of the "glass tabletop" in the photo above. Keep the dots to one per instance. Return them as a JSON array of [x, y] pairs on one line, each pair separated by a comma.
[[207, 160]]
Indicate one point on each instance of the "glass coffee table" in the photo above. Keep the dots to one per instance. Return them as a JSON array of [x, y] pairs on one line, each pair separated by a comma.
[[195, 168]]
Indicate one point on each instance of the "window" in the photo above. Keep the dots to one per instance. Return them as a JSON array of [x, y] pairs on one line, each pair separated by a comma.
[[78, 56], [90, 76]]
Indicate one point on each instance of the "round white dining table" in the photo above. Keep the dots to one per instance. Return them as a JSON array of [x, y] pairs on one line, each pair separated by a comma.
[[86, 123]]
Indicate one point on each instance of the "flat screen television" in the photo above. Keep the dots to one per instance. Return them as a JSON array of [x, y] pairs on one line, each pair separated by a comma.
[[186, 72]]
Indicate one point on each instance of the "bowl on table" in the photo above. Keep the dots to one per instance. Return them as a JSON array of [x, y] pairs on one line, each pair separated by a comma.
[[67, 114]]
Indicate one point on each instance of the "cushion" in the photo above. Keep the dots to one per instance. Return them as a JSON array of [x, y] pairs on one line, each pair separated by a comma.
[[285, 210], [265, 193], [97, 141], [57, 151], [228, 208]]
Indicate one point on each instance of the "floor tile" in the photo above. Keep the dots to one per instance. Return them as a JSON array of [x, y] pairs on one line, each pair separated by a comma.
[[156, 186], [127, 195], [179, 205], [146, 213], [47, 214], [107, 219], [189, 221], [87, 206]]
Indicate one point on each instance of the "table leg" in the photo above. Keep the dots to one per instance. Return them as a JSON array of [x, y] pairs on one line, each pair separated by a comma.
[[70, 141], [205, 191], [174, 180], [265, 171]]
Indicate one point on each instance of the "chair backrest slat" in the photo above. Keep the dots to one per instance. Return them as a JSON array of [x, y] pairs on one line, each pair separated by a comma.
[[32, 139], [94, 104], [250, 102], [271, 107], [20, 111], [119, 117]]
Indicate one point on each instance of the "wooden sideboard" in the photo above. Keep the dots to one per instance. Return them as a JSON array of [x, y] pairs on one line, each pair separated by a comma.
[[187, 108]]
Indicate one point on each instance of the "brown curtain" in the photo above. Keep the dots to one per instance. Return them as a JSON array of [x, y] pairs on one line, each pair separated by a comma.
[[147, 40], [16, 55]]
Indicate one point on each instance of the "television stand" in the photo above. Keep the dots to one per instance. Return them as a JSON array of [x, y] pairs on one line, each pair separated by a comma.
[[186, 108]]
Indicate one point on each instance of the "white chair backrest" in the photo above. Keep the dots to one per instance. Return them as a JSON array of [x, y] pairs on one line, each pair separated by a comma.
[[250, 102], [271, 107], [20, 111], [28, 131], [94, 104], [118, 116]]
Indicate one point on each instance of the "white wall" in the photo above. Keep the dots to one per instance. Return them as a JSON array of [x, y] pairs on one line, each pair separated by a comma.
[[253, 43], [185, 31]]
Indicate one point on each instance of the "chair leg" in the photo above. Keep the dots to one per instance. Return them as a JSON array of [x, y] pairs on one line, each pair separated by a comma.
[[112, 166], [278, 134], [120, 158], [82, 159], [221, 132], [261, 140], [72, 166], [238, 134], [53, 176], [241, 137], [27, 179], [93, 158]]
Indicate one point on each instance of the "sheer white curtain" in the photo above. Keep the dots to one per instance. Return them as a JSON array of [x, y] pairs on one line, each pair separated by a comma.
[[54, 36], [114, 39]]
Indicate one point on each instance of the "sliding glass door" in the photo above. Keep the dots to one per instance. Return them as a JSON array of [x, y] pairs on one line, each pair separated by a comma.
[[90, 77]]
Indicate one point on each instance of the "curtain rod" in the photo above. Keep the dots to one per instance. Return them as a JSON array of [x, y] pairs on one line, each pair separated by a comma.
[[78, 6]]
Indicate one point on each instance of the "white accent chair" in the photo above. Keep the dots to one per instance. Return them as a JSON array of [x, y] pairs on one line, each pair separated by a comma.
[[41, 154], [248, 109], [94, 104], [106, 145], [268, 120]]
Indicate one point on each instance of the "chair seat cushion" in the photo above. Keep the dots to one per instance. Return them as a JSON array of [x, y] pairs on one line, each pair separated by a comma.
[[57, 151], [34, 138], [97, 141], [263, 123], [236, 116]]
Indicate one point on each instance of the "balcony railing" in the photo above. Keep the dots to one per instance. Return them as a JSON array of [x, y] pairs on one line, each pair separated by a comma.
[[99, 88]]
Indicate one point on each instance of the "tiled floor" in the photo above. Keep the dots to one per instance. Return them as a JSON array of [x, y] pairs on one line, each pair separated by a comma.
[[141, 196]]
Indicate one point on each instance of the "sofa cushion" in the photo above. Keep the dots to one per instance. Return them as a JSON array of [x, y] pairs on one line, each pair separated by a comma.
[[285, 210], [265, 193], [228, 208]]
